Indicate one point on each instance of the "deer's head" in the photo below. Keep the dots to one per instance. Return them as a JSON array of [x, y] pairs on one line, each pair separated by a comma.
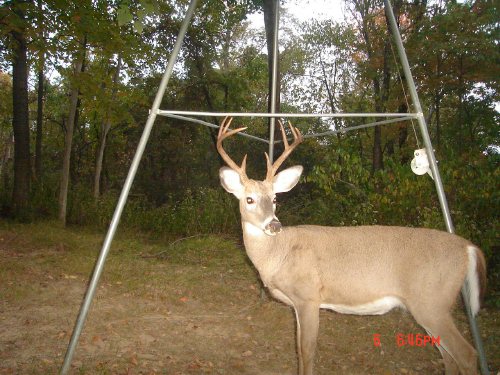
[[258, 198]]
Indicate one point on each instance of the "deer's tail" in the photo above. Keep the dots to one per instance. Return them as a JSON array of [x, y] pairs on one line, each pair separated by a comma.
[[475, 285]]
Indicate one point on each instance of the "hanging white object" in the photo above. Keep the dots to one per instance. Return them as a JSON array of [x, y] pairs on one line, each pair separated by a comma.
[[420, 163]]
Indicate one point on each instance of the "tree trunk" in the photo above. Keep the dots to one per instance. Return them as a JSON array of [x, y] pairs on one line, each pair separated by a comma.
[[437, 105], [68, 137], [460, 109], [78, 142], [377, 155], [6, 158], [330, 93], [39, 127], [105, 127], [380, 84], [437, 100], [39, 109], [381, 95], [100, 156], [20, 120]]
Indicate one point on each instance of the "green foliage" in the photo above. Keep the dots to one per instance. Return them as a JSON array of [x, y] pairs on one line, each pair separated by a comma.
[[344, 193], [136, 13], [205, 211]]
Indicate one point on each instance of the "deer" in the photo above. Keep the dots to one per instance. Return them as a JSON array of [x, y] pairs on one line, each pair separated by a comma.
[[362, 270]]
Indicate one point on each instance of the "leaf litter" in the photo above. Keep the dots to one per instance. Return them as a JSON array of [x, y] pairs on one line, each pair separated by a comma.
[[182, 319]]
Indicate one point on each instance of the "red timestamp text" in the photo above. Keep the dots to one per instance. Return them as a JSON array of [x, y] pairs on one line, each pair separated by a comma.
[[410, 339]]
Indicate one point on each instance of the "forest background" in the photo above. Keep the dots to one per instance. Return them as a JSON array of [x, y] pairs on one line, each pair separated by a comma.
[[77, 80]]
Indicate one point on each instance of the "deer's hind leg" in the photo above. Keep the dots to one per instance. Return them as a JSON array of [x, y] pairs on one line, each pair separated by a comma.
[[458, 355], [450, 366]]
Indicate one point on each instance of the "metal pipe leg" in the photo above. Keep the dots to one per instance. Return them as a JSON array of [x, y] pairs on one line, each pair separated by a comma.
[[435, 171], [274, 79], [124, 194]]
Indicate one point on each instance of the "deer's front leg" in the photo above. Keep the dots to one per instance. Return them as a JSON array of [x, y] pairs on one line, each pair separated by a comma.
[[307, 315]]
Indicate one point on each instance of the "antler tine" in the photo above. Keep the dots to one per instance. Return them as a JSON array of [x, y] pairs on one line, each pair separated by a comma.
[[223, 134], [283, 134], [223, 125], [297, 139]]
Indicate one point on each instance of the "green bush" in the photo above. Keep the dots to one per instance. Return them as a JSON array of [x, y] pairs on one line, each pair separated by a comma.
[[345, 194], [201, 211]]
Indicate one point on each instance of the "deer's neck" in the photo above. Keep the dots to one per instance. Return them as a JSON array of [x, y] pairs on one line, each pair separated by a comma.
[[264, 251]]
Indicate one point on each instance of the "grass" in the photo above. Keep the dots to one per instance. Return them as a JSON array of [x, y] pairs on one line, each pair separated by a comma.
[[169, 306], [134, 263]]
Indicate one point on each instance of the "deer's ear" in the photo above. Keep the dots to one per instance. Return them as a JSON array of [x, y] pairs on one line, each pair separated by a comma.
[[231, 181], [287, 179]]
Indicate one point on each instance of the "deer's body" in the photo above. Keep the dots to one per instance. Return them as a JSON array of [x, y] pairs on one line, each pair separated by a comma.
[[365, 270], [349, 267]]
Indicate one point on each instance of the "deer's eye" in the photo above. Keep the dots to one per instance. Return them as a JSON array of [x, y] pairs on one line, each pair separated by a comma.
[[250, 200]]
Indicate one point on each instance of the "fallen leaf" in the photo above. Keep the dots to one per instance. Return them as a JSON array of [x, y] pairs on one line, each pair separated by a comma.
[[133, 359], [146, 339], [97, 341], [248, 353]]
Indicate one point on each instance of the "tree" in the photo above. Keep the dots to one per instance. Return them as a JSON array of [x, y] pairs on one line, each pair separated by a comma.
[[78, 64], [6, 141], [89, 27], [105, 128], [458, 77], [20, 120], [368, 14], [40, 93]]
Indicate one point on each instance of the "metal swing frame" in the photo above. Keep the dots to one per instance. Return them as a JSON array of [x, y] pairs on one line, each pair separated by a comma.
[[188, 116]]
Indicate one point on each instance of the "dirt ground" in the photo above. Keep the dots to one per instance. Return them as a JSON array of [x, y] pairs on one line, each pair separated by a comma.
[[196, 309]]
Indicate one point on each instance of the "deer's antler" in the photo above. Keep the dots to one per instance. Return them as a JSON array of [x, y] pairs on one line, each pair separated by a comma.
[[297, 139], [223, 134]]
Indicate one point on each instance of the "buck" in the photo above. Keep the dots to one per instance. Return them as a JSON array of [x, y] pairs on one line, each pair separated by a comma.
[[365, 270]]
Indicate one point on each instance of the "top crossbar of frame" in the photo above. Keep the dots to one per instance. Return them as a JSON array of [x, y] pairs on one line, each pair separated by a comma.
[[314, 135], [284, 115]]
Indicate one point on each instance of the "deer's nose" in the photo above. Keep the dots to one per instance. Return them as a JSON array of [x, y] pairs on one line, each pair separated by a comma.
[[273, 227]]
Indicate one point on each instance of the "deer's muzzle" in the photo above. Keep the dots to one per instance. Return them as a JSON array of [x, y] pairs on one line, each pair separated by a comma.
[[273, 227]]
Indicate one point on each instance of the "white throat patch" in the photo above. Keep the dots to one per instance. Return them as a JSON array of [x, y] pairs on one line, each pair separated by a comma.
[[252, 230]]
